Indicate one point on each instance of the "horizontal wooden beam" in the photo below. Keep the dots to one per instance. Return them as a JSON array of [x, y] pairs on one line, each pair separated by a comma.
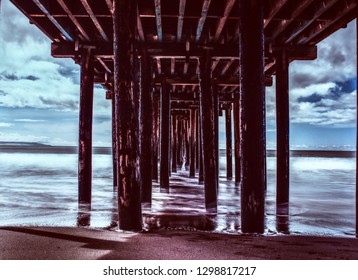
[[298, 52], [177, 51], [193, 80], [169, 50], [70, 50], [174, 80]]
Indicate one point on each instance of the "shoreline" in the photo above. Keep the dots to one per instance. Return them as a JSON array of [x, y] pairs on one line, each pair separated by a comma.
[[66, 243]]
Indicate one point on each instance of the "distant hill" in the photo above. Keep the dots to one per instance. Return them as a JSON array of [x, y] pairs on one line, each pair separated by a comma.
[[23, 144], [35, 147]]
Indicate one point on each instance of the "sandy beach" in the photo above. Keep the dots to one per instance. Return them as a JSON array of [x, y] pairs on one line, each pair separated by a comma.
[[65, 243]]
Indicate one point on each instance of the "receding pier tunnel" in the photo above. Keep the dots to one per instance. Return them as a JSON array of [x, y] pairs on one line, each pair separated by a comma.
[[171, 68]]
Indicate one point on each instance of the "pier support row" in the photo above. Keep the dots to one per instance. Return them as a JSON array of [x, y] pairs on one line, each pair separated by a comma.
[[253, 179]]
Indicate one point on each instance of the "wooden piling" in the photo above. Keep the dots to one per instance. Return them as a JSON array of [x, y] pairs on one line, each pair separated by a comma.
[[164, 135], [197, 135], [174, 143], [114, 146], [155, 141], [179, 139], [85, 128], [237, 136], [282, 133], [208, 130], [187, 143], [126, 113], [192, 141], [228, 142], [146, 132], [201, 159], [200, 139], [252, 116], [216, 125]]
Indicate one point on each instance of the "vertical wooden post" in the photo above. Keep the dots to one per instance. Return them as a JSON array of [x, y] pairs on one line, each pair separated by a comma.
[[179, 141], [126, 111], [85, 128], [252, 116], [164, 135], [216, 125], [208, 129], [282, 133], [197, 135], [192, 141], [228, 142], [155, 152], [114, 145], [237, 136], [174, 143], [187, 143], [201, 160], [146, 130]]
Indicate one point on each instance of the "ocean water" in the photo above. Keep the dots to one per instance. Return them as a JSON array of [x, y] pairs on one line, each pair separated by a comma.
[[38, 187]]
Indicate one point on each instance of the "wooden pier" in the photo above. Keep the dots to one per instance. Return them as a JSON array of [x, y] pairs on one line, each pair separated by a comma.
[[170, 67]]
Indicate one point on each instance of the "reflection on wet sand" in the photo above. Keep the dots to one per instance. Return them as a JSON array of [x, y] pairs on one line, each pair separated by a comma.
[[182, 207]]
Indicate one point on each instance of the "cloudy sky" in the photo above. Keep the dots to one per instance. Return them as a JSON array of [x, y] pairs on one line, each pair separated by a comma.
[[39, 94]]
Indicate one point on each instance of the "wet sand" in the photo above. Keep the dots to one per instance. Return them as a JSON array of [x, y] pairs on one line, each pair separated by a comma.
[[28, 243]]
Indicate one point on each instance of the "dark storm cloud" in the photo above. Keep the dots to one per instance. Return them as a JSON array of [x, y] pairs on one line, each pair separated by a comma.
[[299, 80], [60, 104], [345, 86], [2, 93], [70, 71], [313, 98], [334, 93], [31, 78], [14, 77]]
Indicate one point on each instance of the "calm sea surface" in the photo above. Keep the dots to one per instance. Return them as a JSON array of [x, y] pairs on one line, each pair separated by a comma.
[[38, 187]]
